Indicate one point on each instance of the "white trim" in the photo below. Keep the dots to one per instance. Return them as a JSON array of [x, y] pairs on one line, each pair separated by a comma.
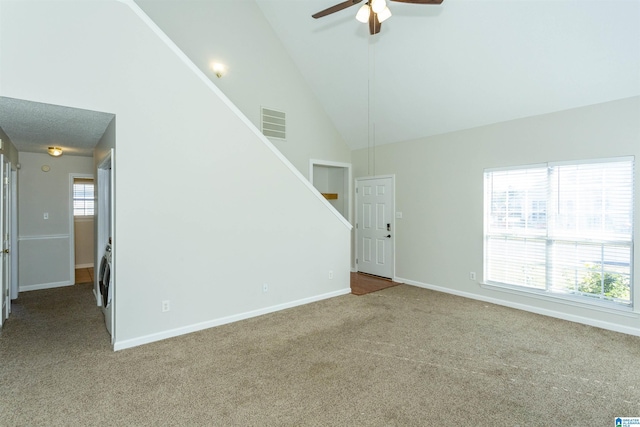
[[327, 163], [83, 218], [44, 237], [15, 289], [89, 265], [41, 286], [563, 163], [104, 231], [207, 81], [525, 307], [595, 160], [134, 342], [517, 167], [567, 299]]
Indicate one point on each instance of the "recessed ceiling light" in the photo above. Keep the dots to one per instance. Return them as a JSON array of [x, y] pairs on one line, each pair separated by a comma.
[[55, 151]]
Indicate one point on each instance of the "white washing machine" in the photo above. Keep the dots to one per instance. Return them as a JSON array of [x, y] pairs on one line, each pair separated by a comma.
[[105, 281]]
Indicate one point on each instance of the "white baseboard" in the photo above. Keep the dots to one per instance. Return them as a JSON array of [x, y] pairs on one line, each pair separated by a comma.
[[90, 265], [134, 342], [40, 286], [525, 307]]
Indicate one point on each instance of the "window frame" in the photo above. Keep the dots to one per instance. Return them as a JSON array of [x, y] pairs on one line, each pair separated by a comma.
[[551, 289], [84, 182]]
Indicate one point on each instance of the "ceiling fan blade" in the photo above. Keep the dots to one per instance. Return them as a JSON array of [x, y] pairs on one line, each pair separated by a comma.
[[420, 1], [336, 8], [374, 23]]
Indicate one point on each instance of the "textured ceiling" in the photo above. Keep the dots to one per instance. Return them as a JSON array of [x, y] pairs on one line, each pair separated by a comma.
[[34, 126]]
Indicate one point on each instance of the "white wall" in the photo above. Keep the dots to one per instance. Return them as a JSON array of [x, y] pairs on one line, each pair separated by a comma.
[[45, 244], [439, 190], [260, 73], [205, 210], [84, 242]]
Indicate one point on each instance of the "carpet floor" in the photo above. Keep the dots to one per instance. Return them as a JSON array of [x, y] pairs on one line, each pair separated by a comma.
[[402, 356]]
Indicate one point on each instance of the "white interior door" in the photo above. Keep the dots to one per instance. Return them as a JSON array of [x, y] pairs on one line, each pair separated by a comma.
[[374, 226], [105, 226], [13, 232], [4, 238]]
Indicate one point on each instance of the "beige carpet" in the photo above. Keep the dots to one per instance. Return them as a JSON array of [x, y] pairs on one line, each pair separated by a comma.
[[402, 356]]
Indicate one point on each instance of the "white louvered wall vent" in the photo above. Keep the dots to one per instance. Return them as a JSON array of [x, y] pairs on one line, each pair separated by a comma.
[[274, 123]]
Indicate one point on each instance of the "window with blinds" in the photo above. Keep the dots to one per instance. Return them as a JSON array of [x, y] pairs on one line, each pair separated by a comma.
[[83, 197], [562, 228]]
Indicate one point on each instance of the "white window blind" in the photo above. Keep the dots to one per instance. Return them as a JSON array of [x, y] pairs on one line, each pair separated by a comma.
[[83, 197], [562, 228]]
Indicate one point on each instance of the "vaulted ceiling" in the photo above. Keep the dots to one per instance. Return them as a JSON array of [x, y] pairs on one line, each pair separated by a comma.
[[462, 64], [438, 69]]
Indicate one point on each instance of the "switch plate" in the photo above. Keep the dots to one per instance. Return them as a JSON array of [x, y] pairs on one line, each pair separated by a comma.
[[399, 215], [46, 215], [265, 287]]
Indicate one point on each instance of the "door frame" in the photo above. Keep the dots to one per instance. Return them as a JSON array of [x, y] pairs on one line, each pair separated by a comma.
[[347, 187], [392, 219], [105, 226], [14, 234], [72, 231], [5, 231]]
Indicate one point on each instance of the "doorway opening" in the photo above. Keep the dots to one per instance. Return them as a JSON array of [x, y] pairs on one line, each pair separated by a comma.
[[81, 227], [6, 231], [333, 180], [104, 287]]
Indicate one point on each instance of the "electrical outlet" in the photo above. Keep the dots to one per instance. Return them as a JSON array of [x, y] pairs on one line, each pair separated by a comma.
[[330, 274], [166, 306], [265, 287], [472, 275]]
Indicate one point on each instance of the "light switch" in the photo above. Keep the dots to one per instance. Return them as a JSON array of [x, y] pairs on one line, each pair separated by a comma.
[[46, 215], [399, 215]]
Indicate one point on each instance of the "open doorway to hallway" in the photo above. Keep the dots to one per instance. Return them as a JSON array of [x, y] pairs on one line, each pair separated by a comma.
[[82, 225]]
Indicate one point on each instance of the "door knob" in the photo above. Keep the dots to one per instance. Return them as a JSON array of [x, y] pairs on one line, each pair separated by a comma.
[[6, 251], [389, 236]]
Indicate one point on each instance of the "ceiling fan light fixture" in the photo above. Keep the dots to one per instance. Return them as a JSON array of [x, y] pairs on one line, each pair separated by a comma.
[[363, 14], [384, 15], [378, 5]]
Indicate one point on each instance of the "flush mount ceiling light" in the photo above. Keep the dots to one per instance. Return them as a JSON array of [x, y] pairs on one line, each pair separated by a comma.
[[55, 151], [219, 69], [375, 12]]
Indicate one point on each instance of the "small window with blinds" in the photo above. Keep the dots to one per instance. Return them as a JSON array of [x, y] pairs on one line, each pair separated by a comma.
[[83, 197], [562, 229]]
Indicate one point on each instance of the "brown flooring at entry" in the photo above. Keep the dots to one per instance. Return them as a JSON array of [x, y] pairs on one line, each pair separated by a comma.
[[84, 275], [362, 283]]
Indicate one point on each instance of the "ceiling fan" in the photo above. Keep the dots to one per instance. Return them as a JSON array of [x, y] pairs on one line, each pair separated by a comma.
[[375, 12]]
